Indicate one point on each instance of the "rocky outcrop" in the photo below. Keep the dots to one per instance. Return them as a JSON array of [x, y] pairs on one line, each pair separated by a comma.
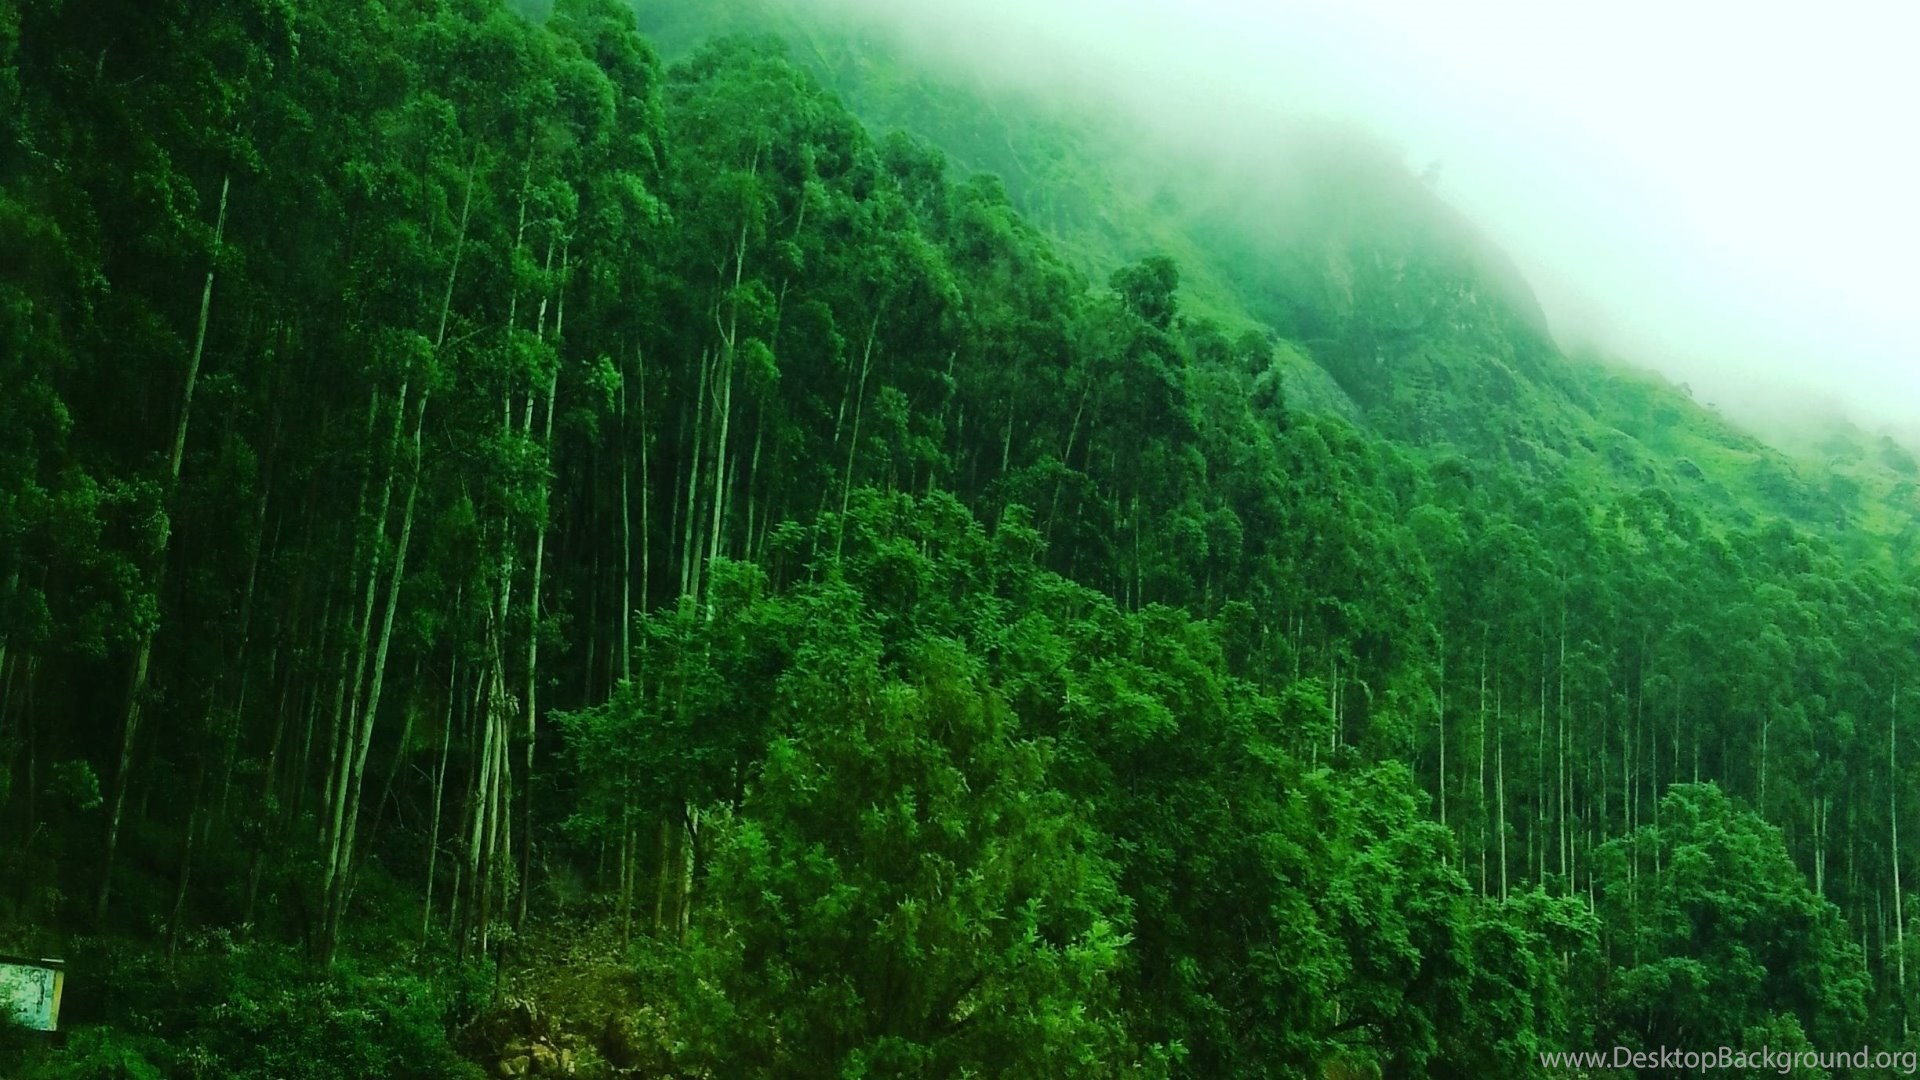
[[516, 1039], [636, 1043]]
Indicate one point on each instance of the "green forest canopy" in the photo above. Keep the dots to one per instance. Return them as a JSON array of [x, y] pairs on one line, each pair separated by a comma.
[[465, 483]]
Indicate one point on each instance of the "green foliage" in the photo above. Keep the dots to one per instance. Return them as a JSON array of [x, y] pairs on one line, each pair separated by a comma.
[[919, 846], [96, 1053], [229, 1009], [75, 783], [1148, 290], [640, 491], [1718, 938], [904, 894]]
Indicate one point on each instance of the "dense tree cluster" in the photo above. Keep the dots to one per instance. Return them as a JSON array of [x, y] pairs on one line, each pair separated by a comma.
[[445, 454]]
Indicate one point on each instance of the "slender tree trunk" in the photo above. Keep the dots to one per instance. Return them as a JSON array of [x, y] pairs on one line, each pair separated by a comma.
[[749, 552], [439, 790], [627, 873], [1073, 433], [689, 558], [1627, 765], [500, 843], [245, 621], [646, 531], [6, 693], [301, 769], [1483, 769], [1333, 697], [143, 653], [1443, 733], [1766, 728], [590, 669], [339, 715], [626, 542], [480, 803], [1819, 848], [32, 736], [411, 715], [341, 883], [6, 682], [1006, 439], [853, 442], [186, 861], [724, 405], [1560, 743], [1893, 825], [1542, 807], [350, 721], [1500, 791], [199, 340], [660, 877], [692, 846], [533, 626], [460, 907], [266, 826]]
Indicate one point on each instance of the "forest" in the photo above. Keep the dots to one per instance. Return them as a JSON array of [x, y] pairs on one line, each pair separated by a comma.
[[529, 551]]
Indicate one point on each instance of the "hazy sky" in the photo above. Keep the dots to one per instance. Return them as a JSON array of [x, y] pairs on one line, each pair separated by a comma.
[[1729, 192]]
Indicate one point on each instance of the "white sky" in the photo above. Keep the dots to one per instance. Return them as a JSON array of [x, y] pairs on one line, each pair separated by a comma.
[[1729, 192]]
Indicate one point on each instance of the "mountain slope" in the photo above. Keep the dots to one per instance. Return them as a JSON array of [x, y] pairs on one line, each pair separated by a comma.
[[476, 499], [1386, 306]]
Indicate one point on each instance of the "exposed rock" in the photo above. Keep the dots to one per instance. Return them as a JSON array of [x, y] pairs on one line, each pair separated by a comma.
[[620, 1041], [522, 1040], [636, 1042]]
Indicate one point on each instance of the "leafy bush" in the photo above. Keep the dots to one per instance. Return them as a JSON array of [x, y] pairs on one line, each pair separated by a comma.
[[251, 1012], [96, 1053]]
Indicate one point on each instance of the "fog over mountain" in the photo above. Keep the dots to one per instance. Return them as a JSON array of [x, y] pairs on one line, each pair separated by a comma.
[[1719, 191]]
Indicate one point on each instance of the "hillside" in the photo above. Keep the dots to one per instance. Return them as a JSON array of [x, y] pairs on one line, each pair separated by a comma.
[[1388, 307], [525, 553]]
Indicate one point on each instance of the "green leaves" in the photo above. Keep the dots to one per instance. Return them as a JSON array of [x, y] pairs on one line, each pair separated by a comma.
[[1724, 936], [76, 784], [907, 891], [997, 825], [1148, 289], [1029, 684]]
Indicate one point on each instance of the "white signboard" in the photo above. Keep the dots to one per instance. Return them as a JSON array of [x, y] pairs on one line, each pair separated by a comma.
[[30, 992]]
